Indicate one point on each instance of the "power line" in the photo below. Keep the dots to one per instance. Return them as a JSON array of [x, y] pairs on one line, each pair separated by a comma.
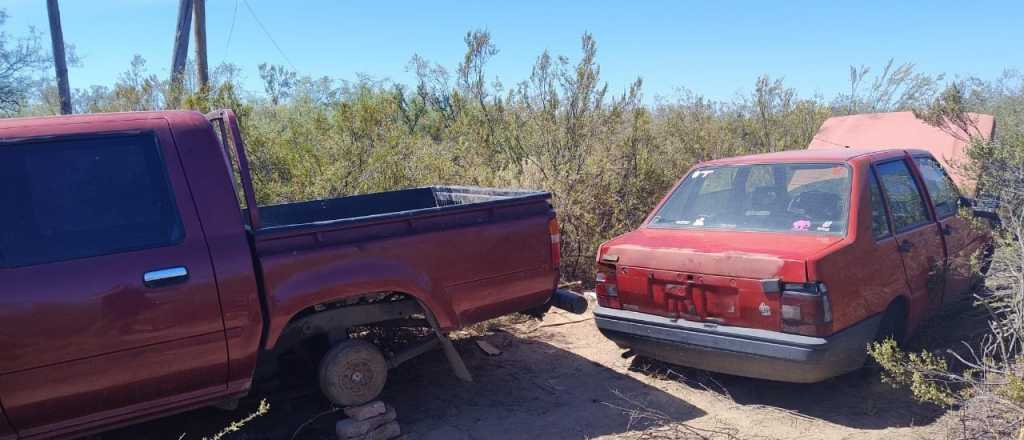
[[231, 30], [265, 31]]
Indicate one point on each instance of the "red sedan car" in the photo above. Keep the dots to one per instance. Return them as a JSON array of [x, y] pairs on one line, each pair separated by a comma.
[[783, 266]]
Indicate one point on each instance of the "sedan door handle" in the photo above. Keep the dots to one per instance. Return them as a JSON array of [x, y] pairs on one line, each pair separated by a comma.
[[905, 246], [164, 277]]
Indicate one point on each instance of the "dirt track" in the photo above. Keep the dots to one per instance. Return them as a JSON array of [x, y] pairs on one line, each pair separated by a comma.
[[561, 379]]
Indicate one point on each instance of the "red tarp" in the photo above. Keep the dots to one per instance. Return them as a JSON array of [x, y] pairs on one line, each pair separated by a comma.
[[903, 130]]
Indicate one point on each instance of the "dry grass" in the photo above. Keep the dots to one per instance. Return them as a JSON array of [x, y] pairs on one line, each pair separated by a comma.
[[237, 425]]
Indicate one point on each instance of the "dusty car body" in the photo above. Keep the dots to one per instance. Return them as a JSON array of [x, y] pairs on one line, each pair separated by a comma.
[[784, 266], [137, 281]]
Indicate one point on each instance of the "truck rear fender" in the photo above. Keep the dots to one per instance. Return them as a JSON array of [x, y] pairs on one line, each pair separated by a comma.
[[340, 280]]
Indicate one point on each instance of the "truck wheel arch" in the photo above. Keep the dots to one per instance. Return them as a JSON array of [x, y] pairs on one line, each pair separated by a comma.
[[297, 295], [343, 313]]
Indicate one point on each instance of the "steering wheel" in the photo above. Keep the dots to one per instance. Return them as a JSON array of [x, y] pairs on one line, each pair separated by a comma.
[[794, 204]]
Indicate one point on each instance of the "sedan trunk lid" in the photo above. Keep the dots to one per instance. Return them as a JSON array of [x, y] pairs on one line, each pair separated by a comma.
[[725, 277]]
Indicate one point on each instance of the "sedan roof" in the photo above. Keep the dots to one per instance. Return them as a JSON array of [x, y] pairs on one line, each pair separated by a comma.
[[835, 155]]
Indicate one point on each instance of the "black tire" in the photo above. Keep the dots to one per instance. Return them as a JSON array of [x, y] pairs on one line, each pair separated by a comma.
[[894, 323], [539, 311], [353, 373]]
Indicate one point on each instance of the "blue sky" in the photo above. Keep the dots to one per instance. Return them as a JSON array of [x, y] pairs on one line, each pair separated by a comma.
[[714, 48]]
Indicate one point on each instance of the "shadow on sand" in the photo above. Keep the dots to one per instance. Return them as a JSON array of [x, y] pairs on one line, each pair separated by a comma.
[[533, 390], [856, 400]]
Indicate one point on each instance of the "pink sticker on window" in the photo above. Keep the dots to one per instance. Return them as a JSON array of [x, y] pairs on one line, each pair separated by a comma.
[[802, 225]]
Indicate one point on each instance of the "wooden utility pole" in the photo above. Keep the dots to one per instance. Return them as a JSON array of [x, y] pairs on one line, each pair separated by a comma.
[[202, 69], [60, 63], [180, 51]]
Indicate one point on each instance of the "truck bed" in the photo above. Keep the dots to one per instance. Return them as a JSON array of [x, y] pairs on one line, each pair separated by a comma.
[[388, 205], [467, 253]]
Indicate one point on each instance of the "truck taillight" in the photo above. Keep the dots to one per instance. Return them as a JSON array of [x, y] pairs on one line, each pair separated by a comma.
[[806, 309], [556, 242], [606, 288]]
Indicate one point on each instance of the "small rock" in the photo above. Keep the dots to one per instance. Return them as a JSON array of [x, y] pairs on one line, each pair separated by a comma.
[[487, 347], [365, 411], [352, 428], [386, 431]]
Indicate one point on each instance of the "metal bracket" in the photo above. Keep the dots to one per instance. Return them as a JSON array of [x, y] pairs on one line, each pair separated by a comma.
[[454, 358]]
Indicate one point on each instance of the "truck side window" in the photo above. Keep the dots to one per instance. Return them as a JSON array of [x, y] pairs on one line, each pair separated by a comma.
[[941, 189], [77, 198], [905, 200], [879, 218]]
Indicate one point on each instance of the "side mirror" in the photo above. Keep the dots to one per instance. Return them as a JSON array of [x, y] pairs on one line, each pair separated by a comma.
[[983, 207]]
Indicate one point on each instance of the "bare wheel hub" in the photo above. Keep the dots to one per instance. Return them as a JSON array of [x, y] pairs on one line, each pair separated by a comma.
[[358, 375], [353, 373]]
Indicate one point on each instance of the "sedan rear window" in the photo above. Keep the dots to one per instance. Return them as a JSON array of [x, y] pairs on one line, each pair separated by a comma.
[[798, 197]]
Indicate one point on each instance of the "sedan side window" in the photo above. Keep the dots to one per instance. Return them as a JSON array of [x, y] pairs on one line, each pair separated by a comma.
[[879, 218], [941, 189], [905, 200]]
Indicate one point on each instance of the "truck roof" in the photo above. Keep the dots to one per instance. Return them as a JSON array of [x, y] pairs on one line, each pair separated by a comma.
[[49, 121]]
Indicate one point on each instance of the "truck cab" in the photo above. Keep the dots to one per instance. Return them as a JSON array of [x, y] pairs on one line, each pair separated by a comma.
[[783, 266]]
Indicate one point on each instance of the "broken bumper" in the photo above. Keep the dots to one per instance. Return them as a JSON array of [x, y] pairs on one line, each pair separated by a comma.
[[739, 351]]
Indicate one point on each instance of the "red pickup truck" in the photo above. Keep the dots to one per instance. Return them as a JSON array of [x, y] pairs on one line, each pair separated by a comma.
[[138, 276], [783, 266]]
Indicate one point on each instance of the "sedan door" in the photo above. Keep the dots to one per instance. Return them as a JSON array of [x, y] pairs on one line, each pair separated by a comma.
[[964, 240], [918, 237]]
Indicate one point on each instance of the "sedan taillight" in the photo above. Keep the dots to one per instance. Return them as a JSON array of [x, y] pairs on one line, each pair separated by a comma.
[[606, 288], [806, 309]]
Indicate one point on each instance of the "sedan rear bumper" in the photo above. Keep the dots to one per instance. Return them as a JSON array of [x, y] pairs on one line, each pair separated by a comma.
[[739, 351]]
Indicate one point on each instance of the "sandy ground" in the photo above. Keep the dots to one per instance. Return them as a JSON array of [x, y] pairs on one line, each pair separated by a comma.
[[560, 379]]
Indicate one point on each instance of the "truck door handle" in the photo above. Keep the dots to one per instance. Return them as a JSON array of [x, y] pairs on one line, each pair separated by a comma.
[[905, 246], [947, 230], [164, 277]]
